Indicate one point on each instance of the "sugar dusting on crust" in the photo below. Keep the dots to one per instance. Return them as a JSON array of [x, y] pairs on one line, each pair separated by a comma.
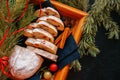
[[47, 24], [24, 63], [56, 19], [44, 33]]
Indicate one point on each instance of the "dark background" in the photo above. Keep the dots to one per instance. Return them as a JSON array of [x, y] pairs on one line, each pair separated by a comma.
[[106, 66]]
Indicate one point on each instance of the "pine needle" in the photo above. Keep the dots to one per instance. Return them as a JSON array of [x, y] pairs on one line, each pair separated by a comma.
[[79, 4], [99, 14], [16, 9]]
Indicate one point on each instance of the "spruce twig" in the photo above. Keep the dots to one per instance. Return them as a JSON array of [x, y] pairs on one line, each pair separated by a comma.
[[99, 14], [79, 4], [16, 11]]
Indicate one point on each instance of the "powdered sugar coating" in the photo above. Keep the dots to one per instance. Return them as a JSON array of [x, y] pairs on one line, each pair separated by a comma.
[[56, 19], [42, 44], [24, 63], [41, 33]]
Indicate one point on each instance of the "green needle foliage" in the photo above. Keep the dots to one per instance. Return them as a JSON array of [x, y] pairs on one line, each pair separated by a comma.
[[16, 9], [79, 4], [99, 14]]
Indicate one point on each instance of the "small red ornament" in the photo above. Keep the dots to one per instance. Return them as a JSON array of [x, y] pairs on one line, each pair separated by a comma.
[[53, 67]]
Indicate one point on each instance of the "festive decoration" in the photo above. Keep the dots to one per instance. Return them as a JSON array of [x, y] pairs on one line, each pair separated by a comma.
[[53, 67], [4, 64], [47, 75], [14, 16]]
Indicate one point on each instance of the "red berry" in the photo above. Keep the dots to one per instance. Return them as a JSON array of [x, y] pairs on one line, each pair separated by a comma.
[[53, 67]]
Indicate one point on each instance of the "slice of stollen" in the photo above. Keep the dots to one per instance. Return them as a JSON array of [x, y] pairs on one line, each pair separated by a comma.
[[57, 22], [52, 11], [42, 44], [47, 12], [43, 53], [48, 27], [32, 25], [40, 12], [28, 33], [42, 34], [43, 18]]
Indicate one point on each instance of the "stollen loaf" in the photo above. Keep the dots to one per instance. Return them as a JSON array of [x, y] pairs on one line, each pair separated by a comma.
[[24, 63]]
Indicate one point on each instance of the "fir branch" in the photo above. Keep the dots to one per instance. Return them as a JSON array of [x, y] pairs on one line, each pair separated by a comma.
[[76, 65], [114, 5], [11, 41], [87, 43], [98, 6], [2, 76], [111, 27], [99, 15], [18, 8], [104, 18], [3, 9], [27, 17], [79, 4]]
